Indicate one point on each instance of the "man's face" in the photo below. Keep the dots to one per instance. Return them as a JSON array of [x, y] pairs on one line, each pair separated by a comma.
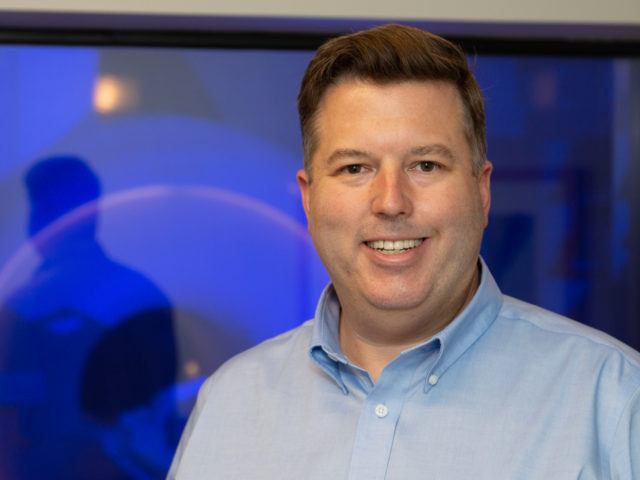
[[394, 208]]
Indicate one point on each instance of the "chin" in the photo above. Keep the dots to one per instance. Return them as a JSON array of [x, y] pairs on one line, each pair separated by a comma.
[[399, 300]]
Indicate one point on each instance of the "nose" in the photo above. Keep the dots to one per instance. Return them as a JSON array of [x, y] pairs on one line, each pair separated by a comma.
[[390, 193]]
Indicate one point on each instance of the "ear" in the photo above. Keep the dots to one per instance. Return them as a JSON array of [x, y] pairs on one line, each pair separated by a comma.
[[303, 184], [484, 185]]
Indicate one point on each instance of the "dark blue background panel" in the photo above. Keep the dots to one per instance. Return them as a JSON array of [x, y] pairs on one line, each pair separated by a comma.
[[151, 227]]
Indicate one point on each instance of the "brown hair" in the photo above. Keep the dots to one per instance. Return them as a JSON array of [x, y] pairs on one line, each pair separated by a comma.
[[386, 54]]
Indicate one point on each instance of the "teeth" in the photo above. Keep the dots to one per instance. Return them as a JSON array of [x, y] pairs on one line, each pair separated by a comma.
[[393, 247]]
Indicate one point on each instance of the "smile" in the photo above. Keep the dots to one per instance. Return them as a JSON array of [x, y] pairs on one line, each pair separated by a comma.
[[393, 247]]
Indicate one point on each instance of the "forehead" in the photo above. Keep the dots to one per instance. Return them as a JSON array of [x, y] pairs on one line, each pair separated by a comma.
[[355, 108], [416, 87]]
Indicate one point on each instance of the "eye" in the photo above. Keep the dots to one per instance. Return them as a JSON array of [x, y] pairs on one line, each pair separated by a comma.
[[352, 169], [426, 166]]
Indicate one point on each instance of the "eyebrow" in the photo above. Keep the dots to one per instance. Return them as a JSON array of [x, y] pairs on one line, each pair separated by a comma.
[[348, 153], [433, 149]]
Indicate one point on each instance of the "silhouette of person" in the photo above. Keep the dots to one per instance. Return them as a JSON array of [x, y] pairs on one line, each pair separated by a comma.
[[59, 317]]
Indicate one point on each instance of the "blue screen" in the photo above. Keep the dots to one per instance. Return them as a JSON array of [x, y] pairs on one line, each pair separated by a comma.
[[151, 228]]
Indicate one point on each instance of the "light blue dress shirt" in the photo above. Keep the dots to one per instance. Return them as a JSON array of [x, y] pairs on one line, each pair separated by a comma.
[[506, 391]]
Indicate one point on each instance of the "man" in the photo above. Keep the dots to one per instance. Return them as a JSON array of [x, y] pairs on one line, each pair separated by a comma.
[[415, 365], [58, 353]]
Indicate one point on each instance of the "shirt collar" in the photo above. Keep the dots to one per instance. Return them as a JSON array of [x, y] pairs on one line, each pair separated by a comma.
[[470, 324], [455, 339], [325, 340]]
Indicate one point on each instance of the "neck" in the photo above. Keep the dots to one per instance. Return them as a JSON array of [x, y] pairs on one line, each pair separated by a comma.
[[372, 339]]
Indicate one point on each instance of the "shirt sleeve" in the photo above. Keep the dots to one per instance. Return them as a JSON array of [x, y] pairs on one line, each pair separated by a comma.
[[188, 429], [625, 452]]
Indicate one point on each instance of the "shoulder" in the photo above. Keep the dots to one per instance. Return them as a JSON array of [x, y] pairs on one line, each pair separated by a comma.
[[560, 328], [572, 343], [264, 363]]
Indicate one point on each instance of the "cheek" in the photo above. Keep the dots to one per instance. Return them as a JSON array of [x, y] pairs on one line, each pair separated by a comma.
[[331, 212], [459, 208], [332, 227], [326, 228]]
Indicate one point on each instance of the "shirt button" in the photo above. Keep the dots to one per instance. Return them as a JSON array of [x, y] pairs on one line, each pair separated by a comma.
[[433, 379], [381, 410]]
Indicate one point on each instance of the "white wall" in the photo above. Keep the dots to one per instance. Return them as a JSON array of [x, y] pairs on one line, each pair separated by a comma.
[[625, 12]]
